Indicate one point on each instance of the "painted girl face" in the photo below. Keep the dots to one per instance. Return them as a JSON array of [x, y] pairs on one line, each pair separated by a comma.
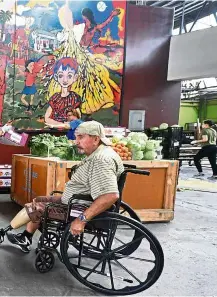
[[66, 77]]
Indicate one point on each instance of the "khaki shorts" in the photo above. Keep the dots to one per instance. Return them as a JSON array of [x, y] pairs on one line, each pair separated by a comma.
[[36, 208]]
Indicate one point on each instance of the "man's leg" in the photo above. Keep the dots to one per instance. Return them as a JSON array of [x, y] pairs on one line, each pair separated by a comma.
[[30, 215], [212, 160], [23, 240], [197, 160]]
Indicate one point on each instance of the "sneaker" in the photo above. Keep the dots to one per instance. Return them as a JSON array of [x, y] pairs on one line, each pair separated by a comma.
[[214, 177], [21, 241], [199, 175]]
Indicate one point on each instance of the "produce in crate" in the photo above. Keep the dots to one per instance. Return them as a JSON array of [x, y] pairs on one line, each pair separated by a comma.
[[122, 151], [150, 155], [138, 144], [47, 145]]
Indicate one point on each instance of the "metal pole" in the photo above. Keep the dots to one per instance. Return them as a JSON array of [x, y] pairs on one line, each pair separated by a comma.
[[182, 19], [198, 15]]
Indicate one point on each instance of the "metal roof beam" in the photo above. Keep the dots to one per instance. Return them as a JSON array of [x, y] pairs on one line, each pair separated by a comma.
[[190, 9], [198, 15], [156, 3], [174, 3], [190, 5]]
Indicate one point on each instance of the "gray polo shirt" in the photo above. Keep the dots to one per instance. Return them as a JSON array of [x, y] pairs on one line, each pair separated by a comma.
[[96, 175]]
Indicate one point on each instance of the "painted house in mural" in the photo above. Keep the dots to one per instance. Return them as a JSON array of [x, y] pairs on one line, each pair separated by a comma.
[[44, 41]]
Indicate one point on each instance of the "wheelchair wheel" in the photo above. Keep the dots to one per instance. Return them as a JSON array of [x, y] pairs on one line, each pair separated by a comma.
[[112, 272], [2, 234], [44, 261], [126, 210], [51, 240], [95, 239]]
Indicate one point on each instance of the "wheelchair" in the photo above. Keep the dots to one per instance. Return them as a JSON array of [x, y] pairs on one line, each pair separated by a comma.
[[115, 255]]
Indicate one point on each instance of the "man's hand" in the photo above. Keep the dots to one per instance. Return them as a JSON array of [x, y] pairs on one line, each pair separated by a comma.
[[77, 227]]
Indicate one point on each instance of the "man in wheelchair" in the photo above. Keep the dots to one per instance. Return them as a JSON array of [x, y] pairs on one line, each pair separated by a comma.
[[97, 175]]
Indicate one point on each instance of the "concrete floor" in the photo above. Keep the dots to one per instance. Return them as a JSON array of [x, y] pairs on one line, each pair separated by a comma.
[[189, 243]]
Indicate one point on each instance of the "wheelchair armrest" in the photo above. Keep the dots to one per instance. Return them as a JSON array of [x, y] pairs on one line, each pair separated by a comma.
[[80, 197], [129, 166], [55, 192]]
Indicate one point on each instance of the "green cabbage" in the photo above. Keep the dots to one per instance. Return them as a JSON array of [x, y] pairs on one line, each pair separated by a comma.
[[134, 146], [138, 155], [149, 155], [150, 145], [136, 136], [142, 144]]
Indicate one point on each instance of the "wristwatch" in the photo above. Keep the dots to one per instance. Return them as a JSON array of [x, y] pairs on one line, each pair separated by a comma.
[[82, 218]]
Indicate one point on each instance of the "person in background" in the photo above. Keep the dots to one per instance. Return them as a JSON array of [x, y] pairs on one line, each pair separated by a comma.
[[73, 121], [209, 149]]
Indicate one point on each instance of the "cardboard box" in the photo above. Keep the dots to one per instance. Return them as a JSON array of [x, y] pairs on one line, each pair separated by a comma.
[[5, 172], [13, 138], [5, 182]]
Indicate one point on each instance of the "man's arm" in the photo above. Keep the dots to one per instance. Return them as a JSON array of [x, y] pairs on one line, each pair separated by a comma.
[[103, 189], [100, 205], [203, 140]]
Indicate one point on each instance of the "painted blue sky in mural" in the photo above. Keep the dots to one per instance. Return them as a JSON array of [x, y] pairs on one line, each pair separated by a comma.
[[46, 17]]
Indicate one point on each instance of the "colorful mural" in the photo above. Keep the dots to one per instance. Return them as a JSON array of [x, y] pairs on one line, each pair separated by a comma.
[[56, 55]]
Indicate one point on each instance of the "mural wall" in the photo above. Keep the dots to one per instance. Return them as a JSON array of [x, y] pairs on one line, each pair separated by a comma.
[[58, 55]]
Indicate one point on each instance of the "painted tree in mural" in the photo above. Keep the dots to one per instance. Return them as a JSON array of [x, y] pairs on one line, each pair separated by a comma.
[[46, 39], [5, 16]]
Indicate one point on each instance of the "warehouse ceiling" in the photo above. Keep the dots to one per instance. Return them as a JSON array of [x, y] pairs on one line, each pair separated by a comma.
[[191, 9]]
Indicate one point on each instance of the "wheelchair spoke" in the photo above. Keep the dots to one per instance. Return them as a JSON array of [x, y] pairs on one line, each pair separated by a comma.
[[92, 270], [81, 248], [118, 249], [76, 257], [104, 242], [87, 245], [129, 272], [119, 240], [136, 258], [92, 240], [111, 276]]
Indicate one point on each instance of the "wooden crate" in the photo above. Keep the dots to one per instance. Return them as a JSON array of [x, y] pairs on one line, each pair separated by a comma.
[[20, 179], [151, 197], [34, 176]]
